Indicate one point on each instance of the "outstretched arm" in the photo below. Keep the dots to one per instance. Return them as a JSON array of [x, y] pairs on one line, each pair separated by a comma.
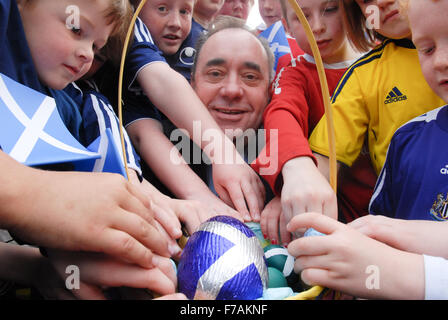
[[26, 266], [418, 236], [171, 168], [98, 271], [78, 211], [306, 189], [235, 182], [346, 260]]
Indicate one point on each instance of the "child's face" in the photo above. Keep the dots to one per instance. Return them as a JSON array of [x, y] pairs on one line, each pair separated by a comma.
[[392, 23], [236, 8], [430, 34], [169, 22], [270, 11], [208, 7], [325, 19], [62, 50]]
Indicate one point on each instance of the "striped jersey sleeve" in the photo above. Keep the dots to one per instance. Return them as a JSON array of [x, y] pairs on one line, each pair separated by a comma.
[[142, 52], [98, 115]]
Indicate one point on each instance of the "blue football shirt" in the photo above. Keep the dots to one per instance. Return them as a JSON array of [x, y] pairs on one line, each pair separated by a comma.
[[413, 183]]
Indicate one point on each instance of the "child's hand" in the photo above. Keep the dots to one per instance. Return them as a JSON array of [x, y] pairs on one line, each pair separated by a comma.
[[170, 213], [344, 260], [239, 186], [305, 189], [175, 296], [214, 206], [97, 271], [273, 223], [85, 212], [381, 228], [418, 236], [50, 284], [191, 213]]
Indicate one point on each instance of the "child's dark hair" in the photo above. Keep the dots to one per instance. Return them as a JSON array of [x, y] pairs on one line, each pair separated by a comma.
[[361, 37]]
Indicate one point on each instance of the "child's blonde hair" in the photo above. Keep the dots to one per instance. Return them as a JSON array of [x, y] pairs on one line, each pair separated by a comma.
[[116, 14], [120, 13]]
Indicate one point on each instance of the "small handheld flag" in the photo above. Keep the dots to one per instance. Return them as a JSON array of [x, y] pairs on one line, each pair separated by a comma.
[[278, 42], [33, 133]]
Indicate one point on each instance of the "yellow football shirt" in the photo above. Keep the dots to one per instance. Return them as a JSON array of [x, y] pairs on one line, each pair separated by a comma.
[[377, 94]]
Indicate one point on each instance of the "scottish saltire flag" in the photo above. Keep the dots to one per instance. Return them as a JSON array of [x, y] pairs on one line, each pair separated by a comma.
[[109, 158], [33, 133], [278, 42]]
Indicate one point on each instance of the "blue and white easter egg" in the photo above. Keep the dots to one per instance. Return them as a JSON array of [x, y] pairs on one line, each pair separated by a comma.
[[223, 260], [312, 233]]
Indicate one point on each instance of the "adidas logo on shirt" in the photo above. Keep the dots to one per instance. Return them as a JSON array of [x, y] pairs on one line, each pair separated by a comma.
[[395, 96]]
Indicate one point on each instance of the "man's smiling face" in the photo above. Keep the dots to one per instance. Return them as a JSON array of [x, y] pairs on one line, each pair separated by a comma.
[[233, 83]]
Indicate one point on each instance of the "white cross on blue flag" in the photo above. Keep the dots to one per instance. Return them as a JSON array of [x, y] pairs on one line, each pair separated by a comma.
[[33, 133], [277, 40]]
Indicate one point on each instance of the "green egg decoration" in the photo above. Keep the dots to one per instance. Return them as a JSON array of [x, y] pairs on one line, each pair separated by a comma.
[[276, 278], [278, 257]]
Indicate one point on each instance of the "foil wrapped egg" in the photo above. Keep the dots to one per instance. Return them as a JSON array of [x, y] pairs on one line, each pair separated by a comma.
[[223, 260]]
